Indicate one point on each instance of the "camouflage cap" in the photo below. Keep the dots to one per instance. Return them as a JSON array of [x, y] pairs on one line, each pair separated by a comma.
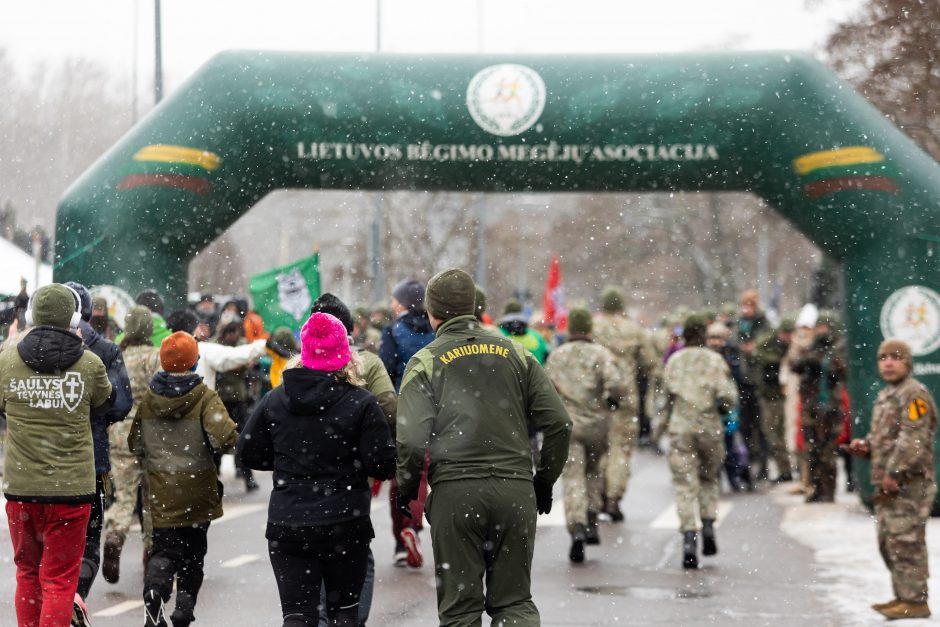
[[579, 322], [512, 306], [898, 348], [612, 299], [787, 325]]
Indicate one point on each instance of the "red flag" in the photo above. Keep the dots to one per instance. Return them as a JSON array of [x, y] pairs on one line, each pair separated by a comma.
[[553, 301]]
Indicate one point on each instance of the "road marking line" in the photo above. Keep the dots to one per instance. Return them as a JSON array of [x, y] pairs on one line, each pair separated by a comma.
[[233, 512], [241, 560], [118, 609], [669, 518]]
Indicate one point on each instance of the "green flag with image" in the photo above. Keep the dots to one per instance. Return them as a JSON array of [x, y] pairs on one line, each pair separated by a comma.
[[283, 296]]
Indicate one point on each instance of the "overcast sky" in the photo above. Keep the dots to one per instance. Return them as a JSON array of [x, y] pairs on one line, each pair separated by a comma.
[[193, 30]]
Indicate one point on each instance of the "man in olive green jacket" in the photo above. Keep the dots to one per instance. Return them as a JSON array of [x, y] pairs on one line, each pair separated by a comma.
[[467, 397], [49, 384], [179, 424]]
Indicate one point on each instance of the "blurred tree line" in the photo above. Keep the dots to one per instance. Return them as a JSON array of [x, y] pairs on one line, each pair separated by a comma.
[[890, 52]]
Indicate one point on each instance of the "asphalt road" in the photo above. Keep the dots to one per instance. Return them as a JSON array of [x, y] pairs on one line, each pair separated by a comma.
[[761, 576]]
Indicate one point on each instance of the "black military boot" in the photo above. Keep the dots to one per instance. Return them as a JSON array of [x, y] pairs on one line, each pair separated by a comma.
[[183, 615], [709, 547], [578, 538], [689, 549], [592, 537], [612, 509]]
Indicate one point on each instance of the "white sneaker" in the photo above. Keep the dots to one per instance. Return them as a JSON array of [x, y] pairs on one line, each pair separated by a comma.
[[401, 558]]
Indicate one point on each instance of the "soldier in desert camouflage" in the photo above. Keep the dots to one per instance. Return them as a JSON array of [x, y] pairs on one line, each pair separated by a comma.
[[589, 383], [700, 389], [900, 446], [634, 354]]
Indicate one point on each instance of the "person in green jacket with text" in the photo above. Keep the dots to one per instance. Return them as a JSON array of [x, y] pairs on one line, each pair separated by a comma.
[[49, 384], [467, 398]]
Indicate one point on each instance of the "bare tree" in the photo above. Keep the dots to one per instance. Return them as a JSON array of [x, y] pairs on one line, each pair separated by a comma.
[[889, 51]]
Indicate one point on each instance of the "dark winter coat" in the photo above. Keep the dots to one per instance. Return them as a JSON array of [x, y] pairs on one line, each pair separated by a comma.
[[822, 373], [322, 438], [408, 334], [110, 356], [180, 423], [747, 330], [768, 354]]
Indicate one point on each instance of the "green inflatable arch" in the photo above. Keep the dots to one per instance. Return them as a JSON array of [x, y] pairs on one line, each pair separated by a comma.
[[779, 125]]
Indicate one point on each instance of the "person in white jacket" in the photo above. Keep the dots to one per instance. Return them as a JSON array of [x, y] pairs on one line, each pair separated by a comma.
[[215, 358]]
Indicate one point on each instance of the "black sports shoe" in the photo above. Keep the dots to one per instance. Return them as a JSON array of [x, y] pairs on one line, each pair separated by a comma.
[[709, 547], [154, 615], [689, 550], [578, 537]]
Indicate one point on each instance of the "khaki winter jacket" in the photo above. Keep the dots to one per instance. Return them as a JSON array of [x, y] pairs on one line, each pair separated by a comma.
[[179, 424]]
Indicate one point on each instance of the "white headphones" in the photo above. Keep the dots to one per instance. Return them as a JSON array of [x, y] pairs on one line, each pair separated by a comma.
[[76, 316]]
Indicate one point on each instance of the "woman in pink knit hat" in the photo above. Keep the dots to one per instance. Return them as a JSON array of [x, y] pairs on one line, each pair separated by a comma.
[[323, 437]]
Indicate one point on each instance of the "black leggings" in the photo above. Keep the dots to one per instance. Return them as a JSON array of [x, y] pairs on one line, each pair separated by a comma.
[[302, 557], [181, 553], [91, 559]]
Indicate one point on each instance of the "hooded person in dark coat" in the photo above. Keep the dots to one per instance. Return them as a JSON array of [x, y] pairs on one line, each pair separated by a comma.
[[110, 355], [323, 436], [408, 333]]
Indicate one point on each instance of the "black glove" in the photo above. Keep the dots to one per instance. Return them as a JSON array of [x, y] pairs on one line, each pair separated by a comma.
[[543, 495], [404, 505], [612, 403], [277, 349]]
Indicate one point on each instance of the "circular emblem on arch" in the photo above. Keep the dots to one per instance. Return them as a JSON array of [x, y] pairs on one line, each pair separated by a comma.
[[912, 314], [506, 99]]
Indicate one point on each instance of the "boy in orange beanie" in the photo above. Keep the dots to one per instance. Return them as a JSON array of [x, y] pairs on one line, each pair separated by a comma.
[[179, 424]]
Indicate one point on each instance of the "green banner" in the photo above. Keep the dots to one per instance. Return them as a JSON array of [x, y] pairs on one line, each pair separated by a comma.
[[283, 296]]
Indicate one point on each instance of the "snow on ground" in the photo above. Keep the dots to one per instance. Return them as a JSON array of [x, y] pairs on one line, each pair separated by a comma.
[[842, 536]]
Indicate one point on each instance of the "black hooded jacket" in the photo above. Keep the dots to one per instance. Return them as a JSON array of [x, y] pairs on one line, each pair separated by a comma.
[[121, 397], [322, 438]]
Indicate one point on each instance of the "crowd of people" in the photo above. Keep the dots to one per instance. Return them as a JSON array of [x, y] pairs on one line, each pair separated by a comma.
[[471, 419]]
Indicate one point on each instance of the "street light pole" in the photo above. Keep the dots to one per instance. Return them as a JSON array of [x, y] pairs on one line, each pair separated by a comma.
[[158, 53], [378, 208]]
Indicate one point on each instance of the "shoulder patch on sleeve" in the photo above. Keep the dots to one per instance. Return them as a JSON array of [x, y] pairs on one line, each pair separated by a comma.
[[917, 409], [422, 362]]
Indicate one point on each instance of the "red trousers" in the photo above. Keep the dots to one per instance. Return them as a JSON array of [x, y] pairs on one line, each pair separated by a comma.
[[48, 542], [416, 522]]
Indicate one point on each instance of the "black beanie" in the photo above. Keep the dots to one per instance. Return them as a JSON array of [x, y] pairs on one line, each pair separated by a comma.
[[410, 293], [329, 304]]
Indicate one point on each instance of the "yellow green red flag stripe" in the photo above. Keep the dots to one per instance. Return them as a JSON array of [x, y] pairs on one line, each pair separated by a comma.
[[166, 153], [851, 155]]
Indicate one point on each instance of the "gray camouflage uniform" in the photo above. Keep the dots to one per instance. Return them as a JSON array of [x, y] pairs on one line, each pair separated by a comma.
[[901, 440], [142, 363], [697, 381], [633, 351], [585, 375]]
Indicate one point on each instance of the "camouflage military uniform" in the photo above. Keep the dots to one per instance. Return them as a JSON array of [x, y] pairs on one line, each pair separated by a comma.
[[697, 380], [768, 355], [142, 363], [633, 351], [585, 375], [901, 441]]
